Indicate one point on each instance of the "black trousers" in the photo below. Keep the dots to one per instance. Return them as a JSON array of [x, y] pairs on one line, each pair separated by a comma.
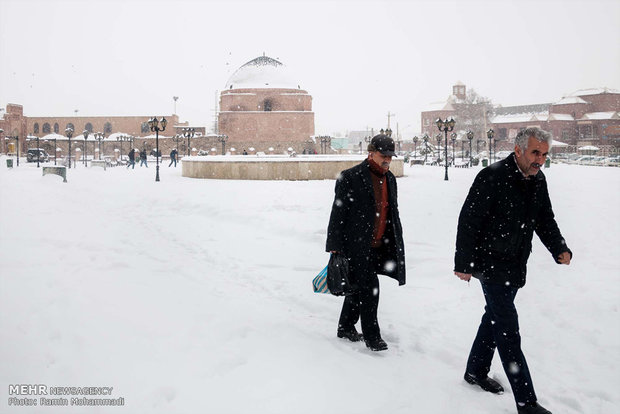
[[363, 304], [499, 329]]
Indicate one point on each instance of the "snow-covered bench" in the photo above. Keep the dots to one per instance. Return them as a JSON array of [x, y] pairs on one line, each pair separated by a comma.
[[99, 163], [61, 171]]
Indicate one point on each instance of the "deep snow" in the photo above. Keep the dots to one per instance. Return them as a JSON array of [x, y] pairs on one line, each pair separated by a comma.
[[195, 296]]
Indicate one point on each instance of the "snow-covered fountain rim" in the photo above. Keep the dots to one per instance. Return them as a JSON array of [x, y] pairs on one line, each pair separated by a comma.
[[274, 158]]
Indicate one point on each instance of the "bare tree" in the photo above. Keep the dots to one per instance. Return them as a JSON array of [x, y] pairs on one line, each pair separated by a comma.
[[474, 114]]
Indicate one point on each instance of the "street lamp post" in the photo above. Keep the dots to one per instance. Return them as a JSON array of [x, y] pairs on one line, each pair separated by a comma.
[[446, 126], [324, 141], [69, 134], [223, 139], [157, 126], [55, 149], [38, 152], [189, 134], [470, 137], [453, 139], [425, 138], [99, 136], [121, 139], [177, 138], [415, 145], [85, 134], [490, 134]]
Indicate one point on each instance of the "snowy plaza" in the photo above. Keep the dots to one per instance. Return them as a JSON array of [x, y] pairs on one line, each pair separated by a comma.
[[191, 295]]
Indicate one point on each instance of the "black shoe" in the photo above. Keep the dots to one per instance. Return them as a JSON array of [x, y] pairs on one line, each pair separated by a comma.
[[532, 408], [376, 344], [350, 334], [486, 383]]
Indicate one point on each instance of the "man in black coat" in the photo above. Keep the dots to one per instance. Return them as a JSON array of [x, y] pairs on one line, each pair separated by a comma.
[[173, 157], [507, 203], [364, 226], [132, 159]]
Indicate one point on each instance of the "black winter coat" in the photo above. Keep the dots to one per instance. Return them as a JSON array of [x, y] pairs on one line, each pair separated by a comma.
[[351, 223], [497, 222]]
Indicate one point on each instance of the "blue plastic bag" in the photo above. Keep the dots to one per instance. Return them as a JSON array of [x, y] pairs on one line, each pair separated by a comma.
[[319, 283]]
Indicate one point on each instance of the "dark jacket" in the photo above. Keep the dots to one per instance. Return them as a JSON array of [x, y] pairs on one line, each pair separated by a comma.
[[497, 222], [132, 155], [143, 154], [351, 223], [173, 154]]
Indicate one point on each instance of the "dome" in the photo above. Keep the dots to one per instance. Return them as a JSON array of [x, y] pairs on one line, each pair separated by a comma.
[[261, 73]]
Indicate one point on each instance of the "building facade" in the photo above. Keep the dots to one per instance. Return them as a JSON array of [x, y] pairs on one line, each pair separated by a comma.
[[52, 131], [589, 117]]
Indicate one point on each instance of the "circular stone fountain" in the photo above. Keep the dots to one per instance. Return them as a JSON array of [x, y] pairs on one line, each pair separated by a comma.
[[274, 167]]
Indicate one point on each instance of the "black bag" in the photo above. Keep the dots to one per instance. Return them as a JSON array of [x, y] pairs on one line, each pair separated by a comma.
[[338, 276]]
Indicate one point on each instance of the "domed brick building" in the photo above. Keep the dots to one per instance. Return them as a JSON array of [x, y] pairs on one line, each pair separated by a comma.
[[263, 107]]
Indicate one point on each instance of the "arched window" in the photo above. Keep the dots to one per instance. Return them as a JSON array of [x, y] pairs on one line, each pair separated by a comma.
[[107, 128], [56, 127], [46, 128], [35, 128], [144, 128], [267, 105], [88, 127], [70, 125]]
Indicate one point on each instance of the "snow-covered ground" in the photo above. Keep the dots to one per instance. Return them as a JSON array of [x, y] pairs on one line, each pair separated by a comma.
[[195, 296]]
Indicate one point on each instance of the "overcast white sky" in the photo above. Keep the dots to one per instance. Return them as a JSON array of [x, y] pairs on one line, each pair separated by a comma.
[[358, 59]]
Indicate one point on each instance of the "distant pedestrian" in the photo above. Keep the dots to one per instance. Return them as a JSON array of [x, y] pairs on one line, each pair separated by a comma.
[[132, 158], [507, 203], [245, 152], [173, 157], [143, 158]]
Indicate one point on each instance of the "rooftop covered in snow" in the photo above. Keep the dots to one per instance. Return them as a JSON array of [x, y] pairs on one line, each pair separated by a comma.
[[262, 72]]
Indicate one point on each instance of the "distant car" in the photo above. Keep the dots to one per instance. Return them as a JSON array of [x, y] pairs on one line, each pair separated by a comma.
[[613, 161], [31, 156]]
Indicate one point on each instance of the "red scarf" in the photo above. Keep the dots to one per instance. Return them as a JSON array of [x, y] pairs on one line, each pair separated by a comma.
[[379, 185]]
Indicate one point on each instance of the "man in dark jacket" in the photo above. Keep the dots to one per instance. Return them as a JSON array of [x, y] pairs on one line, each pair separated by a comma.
[[173, 157], [143, 158], [132, 159], [507, 203], [364, 226]]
